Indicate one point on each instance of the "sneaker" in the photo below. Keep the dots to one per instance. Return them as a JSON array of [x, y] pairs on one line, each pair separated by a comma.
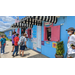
[[4, 53], [1, 53], [16, 54], [12, 55]]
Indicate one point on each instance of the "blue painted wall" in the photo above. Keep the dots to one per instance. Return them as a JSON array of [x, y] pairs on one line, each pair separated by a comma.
[[7, 34], [47, 49]]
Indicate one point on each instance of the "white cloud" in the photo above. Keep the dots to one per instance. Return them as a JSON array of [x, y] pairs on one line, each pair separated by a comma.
[[9, 21], [4, 24], [16, 16]]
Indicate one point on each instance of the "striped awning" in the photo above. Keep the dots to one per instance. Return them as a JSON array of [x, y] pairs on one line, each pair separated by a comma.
[[29, 21]]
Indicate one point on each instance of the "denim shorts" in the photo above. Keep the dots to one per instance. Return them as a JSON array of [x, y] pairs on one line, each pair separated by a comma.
[[22, 47]]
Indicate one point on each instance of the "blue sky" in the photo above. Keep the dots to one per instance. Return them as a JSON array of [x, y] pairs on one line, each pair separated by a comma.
[[7, 21]]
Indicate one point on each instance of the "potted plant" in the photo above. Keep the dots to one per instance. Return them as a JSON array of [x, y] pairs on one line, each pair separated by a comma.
[[59, 50]]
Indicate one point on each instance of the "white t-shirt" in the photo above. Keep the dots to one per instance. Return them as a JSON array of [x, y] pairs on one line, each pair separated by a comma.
[[71, 40], [24, 39]]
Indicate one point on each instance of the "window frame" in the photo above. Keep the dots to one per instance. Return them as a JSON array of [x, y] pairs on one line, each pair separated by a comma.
[[45, 32]]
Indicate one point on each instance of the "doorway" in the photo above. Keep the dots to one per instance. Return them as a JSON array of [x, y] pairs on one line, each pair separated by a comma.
[[22, 31]]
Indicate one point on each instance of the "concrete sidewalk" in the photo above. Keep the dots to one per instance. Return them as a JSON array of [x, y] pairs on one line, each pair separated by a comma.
[[28, 53]]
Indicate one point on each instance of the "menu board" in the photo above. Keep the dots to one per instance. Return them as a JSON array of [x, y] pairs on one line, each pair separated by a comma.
[[34, 37], [39, 36], [34, 43]]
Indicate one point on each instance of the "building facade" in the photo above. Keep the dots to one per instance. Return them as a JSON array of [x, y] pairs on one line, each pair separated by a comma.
[[43, 38]]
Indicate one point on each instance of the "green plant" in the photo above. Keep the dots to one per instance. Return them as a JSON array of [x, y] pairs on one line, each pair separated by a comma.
[[60, 48]]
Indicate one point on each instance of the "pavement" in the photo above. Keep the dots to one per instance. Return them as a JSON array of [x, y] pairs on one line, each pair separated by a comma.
[[28, 53]]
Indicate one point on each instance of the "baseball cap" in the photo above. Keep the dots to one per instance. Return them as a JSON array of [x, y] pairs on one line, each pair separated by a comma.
[[71, 28]]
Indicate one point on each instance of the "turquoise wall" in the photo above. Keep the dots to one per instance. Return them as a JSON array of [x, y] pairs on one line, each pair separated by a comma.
[[7, 34], [47, 49]]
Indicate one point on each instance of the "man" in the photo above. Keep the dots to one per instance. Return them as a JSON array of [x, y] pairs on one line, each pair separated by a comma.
[[2, 44], [0, 47], [0, 39], [71, 41], [16, 39], [22, 47], [13, 36]]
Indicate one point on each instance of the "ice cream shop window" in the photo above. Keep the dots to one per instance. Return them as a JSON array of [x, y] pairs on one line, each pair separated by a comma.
[[29, 33], [51, 33], [48, 36]]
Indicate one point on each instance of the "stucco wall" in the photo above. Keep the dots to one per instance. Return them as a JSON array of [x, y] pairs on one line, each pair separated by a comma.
[[7, 34], [47, 49]]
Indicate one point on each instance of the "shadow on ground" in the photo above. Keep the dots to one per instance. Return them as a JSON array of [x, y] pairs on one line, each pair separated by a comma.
[[38, 56], [6, 53], [24, 55]]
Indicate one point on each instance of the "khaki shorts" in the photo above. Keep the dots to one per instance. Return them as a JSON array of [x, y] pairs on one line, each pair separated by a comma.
[[71, 55]]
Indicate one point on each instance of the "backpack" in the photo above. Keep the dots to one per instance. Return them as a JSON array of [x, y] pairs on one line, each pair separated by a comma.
[[21, 41]]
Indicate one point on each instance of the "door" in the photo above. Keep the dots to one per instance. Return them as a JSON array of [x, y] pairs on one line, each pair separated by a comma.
[[39, 38]]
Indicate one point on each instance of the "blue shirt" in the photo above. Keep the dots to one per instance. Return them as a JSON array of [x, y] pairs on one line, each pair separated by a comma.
[[3, 40]]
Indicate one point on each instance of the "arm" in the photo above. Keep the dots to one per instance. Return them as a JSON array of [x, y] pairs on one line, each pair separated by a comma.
[[25, 41], [0, 42]]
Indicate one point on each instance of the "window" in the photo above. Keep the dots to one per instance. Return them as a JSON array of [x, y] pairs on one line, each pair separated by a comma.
[[29, 33], [22, 31], [10, 33], [52, 33], [48, 34]]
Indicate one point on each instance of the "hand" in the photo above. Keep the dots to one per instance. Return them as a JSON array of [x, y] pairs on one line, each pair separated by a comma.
[[73, 47], [0, 46]]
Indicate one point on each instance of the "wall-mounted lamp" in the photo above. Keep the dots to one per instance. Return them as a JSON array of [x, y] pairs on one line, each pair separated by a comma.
[[62, 24]]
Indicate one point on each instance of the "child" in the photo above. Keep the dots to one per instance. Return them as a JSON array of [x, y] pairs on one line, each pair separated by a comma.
[[22, 47], [3, 43], [13, 36], [16, 39]]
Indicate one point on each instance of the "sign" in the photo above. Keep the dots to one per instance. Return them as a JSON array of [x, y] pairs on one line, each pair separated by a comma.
[[35, 43], [48, 42], [42, 42], [10, 33], [54, 45], [48, 23], [39, 37]]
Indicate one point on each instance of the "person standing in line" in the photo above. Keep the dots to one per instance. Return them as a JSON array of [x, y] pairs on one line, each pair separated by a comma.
[[0, 40], [13, 36], [16, 39], [2, 44], [22, 42], [71, 43]]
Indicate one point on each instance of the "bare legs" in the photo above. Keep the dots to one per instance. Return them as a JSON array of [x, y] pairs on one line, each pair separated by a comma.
[[13, 48], [22, 52]]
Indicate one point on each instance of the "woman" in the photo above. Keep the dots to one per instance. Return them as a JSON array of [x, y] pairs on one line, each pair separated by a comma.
[[71, 40], [22, 47]]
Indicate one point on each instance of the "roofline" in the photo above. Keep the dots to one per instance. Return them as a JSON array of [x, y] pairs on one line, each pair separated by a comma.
[[8, 29]]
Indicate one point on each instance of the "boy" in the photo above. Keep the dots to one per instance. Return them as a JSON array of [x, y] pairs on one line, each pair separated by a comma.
[[16, 39], [13, 36], [2, 44], [22, 47]]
